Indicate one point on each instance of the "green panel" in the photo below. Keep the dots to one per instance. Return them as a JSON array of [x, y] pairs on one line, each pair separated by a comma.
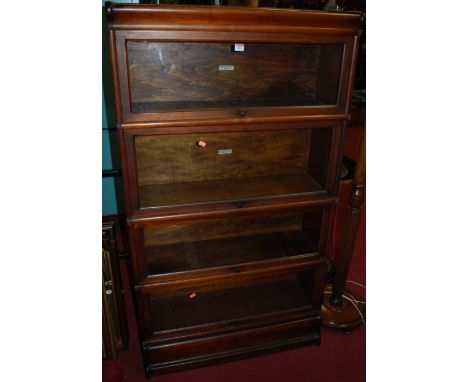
[[106, 151], [112, 188], [104, 111], [109, 201]]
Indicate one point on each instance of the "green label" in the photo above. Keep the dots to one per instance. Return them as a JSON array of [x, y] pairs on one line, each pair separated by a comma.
[[224, 151], [226, 67]]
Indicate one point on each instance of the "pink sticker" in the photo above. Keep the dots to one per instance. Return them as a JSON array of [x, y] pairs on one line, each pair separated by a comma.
[[201, 143]]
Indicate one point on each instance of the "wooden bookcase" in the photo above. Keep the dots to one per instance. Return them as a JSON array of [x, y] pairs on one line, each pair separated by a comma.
[[231, 131]]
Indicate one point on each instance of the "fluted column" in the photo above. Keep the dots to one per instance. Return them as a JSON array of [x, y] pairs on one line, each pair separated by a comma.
[[351, 225]]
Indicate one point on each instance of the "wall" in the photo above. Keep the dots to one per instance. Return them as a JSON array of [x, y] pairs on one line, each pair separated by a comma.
[[112, 188], [109, 145]]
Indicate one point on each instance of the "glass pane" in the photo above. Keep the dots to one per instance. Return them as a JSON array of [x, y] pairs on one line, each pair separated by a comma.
[[229, 301], [198, 168], [197, 75], [233, 241]]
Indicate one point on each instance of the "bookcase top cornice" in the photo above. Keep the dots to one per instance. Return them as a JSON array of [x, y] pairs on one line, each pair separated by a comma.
[[140, 16]]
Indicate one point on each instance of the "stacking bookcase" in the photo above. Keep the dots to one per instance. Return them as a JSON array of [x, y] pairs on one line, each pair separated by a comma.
[[231, 130]]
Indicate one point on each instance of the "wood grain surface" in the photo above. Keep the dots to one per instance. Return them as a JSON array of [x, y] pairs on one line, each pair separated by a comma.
[[187, 75], [177, 309], [178, 158], [244, 230], [156, 235], [243, 189]]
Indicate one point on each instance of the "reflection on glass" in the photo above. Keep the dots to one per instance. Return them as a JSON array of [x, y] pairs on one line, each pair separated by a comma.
[[192, 75]]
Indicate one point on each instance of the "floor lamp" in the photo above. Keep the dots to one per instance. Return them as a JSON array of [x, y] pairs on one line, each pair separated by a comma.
[[340, 308]]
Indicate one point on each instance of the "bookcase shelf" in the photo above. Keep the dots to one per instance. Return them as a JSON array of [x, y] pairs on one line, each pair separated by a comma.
[[226, 251], [229, 242], [175, 170], [145, 107], [224, 190]]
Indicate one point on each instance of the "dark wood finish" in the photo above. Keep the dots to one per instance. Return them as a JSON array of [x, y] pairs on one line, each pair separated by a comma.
[[222, 247], [108, 348], [229, 247], [233, 114], [242, 272], [172, 170], [115, 332], [345, 316], [225, 301], [351, 225], [328, 82], [178, 158], [147, 17], [288, 117], [238, 190], [338, 311], [116, 226], [230, 325], [221, 24], [231, 208], [230, 228], [230, 251], [319, 156], [264, 74], [235, 345]]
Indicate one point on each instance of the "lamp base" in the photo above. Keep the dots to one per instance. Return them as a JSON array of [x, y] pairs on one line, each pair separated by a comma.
[[344, 317]]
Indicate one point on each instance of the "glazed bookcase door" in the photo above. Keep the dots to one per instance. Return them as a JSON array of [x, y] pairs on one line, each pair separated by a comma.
[[174, 80], [229, 301], [170, 76], [181, 325], [230, 169], [229, 247]]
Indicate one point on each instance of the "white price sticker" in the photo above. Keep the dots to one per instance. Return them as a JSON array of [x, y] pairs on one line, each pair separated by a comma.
[[238, 47]]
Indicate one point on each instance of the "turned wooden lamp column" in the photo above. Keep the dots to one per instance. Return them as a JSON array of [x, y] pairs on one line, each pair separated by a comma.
[[337, 309]]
